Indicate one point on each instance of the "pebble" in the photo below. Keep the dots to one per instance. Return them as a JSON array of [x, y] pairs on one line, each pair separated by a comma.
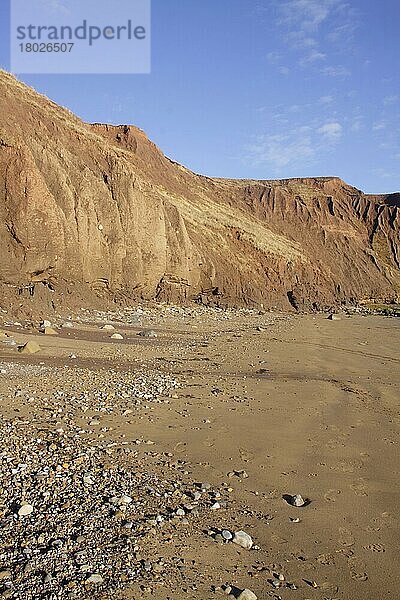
[[95, 578], [49, 331], [298, 501], [126, 499], [243, 539], [226, 534], [148, 333], [25, 510], [247, 595], [29, 348]]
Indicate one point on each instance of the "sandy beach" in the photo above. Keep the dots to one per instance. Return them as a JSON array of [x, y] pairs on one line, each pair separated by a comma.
[[257, 408]]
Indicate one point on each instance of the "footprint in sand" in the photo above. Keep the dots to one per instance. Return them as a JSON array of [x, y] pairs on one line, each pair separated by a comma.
[[246, 455], [375, 548], [345, 466], [346, 538], [331, 495], [357, 569], [208, 443], [359, 488], [326, 559]]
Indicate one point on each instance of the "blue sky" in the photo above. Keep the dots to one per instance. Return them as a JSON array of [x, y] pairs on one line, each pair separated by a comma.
[[259, 88]]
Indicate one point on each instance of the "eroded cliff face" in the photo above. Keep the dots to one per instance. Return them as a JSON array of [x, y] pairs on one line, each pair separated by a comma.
[[101, 206]]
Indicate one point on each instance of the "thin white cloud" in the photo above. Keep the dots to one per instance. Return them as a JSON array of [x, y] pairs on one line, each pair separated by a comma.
[[274, 58], [379, 125], [331, 131], [326, 99], [278, 151], [357, 124], [55, 7], [313, 56], [338, 71], [316, 29], [390, 100], [307, 15]]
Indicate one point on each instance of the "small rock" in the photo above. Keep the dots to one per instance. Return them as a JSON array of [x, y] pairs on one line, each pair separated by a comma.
[[227, 590], [247, 595], [29, 348], [25, 510], [108, 327], [95, 578], [126, 499], [241, 538], [334, 317], [117, 336], [298, 501], [148, 333], [226, 534], [49, 331]]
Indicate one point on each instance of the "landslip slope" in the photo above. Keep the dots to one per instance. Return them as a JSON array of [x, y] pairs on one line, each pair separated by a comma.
[[101, 207]]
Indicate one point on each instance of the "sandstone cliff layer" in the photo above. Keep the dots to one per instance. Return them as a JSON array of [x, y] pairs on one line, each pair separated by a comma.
[[102, 207]]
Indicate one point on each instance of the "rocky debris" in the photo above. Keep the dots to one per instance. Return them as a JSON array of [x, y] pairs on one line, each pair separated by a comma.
[[243, 539], [241, 474], [148, 333], [296, 500], [49, 331], [94, 512], [95, 578], [30, 347], [233, 592], [247, 595]]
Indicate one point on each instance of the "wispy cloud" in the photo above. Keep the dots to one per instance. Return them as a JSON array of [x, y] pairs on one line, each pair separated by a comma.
[[326, 99], [295, 146], [338, 71], [307, 15], [379, 125], [390, 100], [331, 131], [278, 151], [316, 29], [312, 57], [55, 6]]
